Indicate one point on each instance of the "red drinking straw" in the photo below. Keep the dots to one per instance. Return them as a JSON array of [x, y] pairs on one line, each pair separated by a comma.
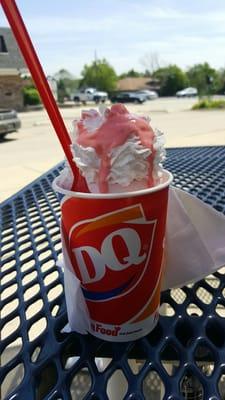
[[33, 63]]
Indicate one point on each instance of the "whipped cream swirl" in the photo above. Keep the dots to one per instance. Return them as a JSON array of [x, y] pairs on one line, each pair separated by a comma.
[[129, 162]]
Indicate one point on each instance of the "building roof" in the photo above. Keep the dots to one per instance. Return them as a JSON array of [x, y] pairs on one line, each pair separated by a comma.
[[137, 83], [10, 56]]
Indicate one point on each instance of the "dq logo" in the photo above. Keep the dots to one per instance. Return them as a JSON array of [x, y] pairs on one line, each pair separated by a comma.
[[108, 256], [111, 252]]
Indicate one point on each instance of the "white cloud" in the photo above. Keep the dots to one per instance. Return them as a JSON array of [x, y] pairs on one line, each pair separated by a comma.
[[52, 25], [166, 13], [125, 34], [163, 13]]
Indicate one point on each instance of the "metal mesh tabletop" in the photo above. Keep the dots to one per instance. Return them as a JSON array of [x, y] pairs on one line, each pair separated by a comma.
[[182, 358]]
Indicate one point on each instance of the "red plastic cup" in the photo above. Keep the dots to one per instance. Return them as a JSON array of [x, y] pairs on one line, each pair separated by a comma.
[[115, 244]]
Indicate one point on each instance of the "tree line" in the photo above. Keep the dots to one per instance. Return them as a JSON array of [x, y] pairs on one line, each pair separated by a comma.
[[101, 75]]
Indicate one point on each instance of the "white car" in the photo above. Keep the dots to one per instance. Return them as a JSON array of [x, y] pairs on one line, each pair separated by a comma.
[[9, 122], [90, 94], [187, 92], [150, 94]]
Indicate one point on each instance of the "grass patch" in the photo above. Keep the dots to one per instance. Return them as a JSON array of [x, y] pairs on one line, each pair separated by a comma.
[[208, 104]]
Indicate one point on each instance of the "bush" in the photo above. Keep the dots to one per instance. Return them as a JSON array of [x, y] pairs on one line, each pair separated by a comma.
[[208, 104], [31, 96]]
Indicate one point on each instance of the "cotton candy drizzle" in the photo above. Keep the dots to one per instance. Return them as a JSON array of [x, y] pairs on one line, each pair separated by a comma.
[[103, 133]]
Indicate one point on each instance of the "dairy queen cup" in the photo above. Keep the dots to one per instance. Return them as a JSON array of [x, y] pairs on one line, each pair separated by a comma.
[[115, 244]]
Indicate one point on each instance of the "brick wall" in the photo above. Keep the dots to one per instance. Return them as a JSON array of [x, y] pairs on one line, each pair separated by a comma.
[[11, 92]]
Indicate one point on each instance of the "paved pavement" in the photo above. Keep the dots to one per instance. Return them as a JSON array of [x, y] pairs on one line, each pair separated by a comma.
[[27, 154]]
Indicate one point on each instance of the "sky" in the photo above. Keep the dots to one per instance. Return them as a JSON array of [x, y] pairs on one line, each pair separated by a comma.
[[68, 33]]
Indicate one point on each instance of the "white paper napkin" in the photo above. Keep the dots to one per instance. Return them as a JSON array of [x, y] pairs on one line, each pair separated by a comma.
[[75, 303], [195, 239]]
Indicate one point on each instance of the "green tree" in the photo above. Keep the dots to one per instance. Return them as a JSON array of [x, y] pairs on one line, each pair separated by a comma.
[[66, 84], [131, 74], [100, 74], [62, 91], [171, 79], [204, 78], [221, 77]]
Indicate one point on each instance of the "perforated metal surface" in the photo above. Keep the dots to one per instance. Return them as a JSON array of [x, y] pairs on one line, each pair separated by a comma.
[[182, 358]]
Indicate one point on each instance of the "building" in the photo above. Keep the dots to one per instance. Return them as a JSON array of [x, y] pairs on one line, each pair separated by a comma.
[[141, 83], [13, 71]]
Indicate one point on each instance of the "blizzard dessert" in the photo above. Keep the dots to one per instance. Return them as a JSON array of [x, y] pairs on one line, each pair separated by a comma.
[[112, 230], [117, 151]]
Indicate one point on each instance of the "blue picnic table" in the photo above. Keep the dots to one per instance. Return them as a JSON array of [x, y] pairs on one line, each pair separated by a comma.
[[182, 358]]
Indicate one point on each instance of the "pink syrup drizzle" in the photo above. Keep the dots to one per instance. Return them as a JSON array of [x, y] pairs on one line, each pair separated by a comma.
[[115, 130]]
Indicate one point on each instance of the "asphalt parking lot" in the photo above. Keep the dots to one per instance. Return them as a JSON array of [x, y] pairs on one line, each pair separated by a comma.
[[28, 153]]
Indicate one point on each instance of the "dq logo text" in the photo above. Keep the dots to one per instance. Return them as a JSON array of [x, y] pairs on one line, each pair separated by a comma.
[[115, 241], [107, 256]]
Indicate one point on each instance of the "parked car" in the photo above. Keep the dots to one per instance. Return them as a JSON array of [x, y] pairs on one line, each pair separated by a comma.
[[187, 92], [9, 122], [150, 94], [90, 95], [128, 97]]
